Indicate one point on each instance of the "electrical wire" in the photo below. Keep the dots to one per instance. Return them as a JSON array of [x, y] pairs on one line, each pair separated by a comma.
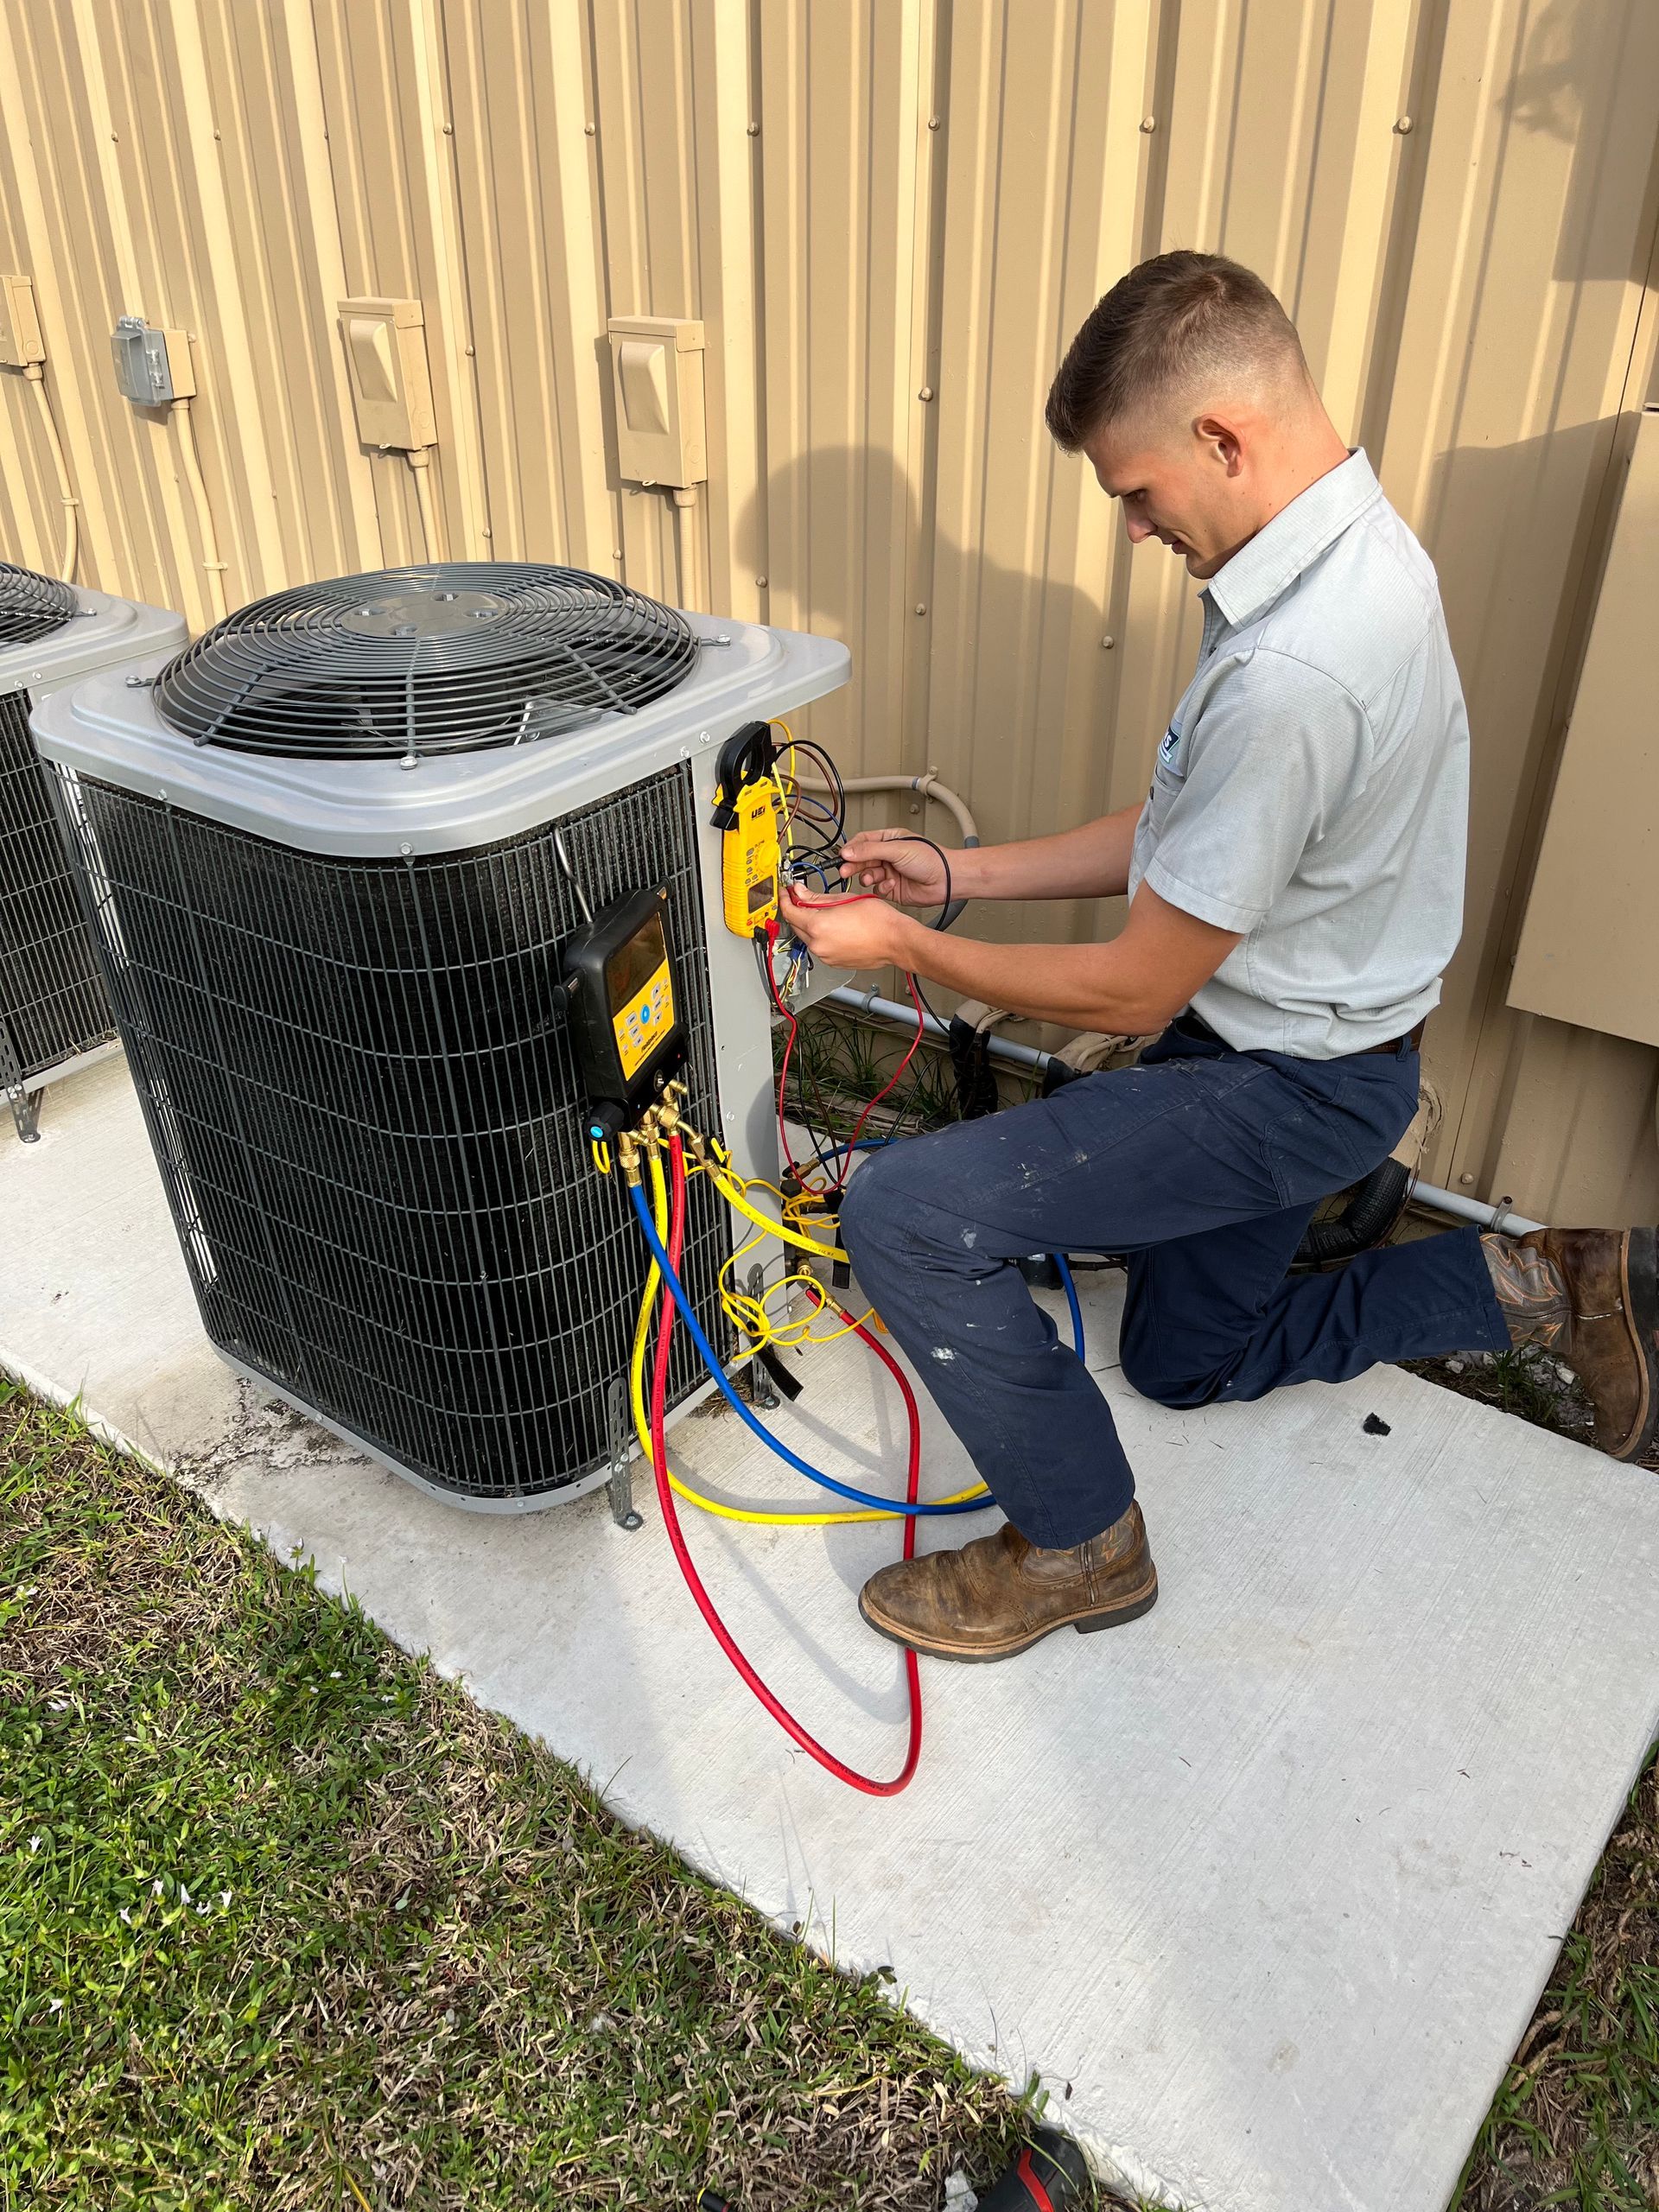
[[705, 1604]]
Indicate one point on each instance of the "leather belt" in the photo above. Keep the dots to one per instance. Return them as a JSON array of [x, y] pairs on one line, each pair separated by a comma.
[[1411, 1042], [1196, 1026]]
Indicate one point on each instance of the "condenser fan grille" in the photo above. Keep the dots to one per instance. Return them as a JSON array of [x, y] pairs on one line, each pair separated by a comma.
[[32, 606], [408, 662]]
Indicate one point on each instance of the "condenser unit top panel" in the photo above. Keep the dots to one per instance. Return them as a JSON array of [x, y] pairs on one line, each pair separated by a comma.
[[409, 663], [387, 806], [95, 631]]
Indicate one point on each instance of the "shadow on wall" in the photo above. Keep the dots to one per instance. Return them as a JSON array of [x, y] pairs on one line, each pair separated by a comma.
[[1001, 684], [1572, 59]]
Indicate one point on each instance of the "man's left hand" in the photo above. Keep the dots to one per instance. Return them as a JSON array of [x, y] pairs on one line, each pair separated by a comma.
[[848, 933]]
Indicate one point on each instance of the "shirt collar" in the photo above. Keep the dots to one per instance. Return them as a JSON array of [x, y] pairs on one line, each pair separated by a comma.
[[1271, 561]]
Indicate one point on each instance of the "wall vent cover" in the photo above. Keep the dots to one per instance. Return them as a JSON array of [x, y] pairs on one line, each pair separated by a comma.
[[32, 606], [405, 663]]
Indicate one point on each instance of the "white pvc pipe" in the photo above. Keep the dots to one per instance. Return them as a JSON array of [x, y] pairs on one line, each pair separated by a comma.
[[1463, 1209], [1002, 1048], [928, 785]]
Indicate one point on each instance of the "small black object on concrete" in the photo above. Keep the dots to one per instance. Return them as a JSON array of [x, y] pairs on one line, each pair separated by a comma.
[[1050, 2175], [1376, 1425]]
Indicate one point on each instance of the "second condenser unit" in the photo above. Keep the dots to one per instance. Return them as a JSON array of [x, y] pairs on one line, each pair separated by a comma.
[[337, 853], [53, 1014]]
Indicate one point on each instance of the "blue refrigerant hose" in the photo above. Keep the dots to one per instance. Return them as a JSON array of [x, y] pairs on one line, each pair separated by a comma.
[[711, 1361], [874, 1144], [1072, 1300]]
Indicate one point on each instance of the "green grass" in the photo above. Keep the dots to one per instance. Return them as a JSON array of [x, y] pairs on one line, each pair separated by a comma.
[[286, 1922], [1577, 2119]]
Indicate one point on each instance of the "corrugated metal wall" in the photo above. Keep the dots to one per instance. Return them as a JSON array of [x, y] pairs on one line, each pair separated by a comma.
[[891, 215]]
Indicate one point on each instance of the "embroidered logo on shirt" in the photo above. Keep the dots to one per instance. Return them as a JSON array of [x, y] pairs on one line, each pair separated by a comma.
[[1166, 750]]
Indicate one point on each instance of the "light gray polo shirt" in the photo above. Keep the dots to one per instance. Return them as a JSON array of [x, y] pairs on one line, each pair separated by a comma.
[[1312, 788]]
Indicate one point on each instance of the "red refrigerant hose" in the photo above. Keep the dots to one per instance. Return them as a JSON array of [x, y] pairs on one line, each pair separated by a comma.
[[705, 1604]]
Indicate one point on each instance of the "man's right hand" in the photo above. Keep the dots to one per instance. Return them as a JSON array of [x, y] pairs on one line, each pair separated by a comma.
[[894, 867]]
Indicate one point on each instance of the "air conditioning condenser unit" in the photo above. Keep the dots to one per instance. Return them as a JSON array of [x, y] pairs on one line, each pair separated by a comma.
[[338, 853], [55, 1016]]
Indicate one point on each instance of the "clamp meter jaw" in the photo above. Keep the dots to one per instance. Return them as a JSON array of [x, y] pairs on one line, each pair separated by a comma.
[[624, 1022]]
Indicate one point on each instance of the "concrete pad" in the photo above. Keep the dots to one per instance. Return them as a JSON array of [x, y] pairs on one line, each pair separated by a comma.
[[1264, 1887]]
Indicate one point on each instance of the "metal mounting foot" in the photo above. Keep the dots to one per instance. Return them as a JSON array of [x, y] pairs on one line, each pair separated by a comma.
[[25, 1104], [763, 1393], [619, 1489]]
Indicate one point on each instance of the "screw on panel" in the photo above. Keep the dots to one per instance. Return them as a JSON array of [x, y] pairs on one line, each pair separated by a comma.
[[926, 392], [1405, 124], [921, 607], [1107, 644], [1148, 122], [754, 131], [933, 121]]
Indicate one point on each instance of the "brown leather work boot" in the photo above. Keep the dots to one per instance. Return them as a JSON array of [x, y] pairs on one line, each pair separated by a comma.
[[1000, 1594], [1589, 1296]]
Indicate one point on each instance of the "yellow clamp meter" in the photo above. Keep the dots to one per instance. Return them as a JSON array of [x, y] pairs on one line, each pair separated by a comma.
[[747, 808], [751, 855]]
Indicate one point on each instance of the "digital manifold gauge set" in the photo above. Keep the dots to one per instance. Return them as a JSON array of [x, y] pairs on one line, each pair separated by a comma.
[[619, 968], [439, 913]]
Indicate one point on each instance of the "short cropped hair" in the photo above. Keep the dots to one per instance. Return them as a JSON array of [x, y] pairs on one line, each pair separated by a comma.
[[1160, 329]]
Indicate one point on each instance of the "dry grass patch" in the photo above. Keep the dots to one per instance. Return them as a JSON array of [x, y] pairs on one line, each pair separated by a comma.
[[286, 1922]]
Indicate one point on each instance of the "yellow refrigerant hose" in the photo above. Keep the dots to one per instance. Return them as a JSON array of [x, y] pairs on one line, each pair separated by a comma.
[[637, 1394]]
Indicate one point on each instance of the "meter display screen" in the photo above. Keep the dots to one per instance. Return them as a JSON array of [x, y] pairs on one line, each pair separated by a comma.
[[633, 965]]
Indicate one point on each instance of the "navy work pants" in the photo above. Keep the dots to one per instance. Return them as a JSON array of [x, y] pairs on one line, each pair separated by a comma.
[[1205, 1165]]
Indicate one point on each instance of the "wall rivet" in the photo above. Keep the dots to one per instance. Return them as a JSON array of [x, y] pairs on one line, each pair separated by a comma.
[[616, 552], [921, 607], [448, 129], [933, 121], [754, 131], [470, 351], [1108, 643], [591, 130], [1466, 1179], [926, 392], [1403, 125], [1148, 122], [760, 583]]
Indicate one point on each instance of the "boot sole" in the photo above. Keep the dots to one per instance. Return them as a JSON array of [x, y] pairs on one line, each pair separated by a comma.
[[1084, 1623], [1640, 1269]]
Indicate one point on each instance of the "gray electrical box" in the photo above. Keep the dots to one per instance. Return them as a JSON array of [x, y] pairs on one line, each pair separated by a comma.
[[152, 366]]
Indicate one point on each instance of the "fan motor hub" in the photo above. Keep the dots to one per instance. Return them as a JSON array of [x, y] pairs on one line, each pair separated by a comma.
[[422, 611]]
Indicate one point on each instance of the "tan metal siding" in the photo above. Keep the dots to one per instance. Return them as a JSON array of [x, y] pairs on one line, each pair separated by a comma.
[[864, 201]]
